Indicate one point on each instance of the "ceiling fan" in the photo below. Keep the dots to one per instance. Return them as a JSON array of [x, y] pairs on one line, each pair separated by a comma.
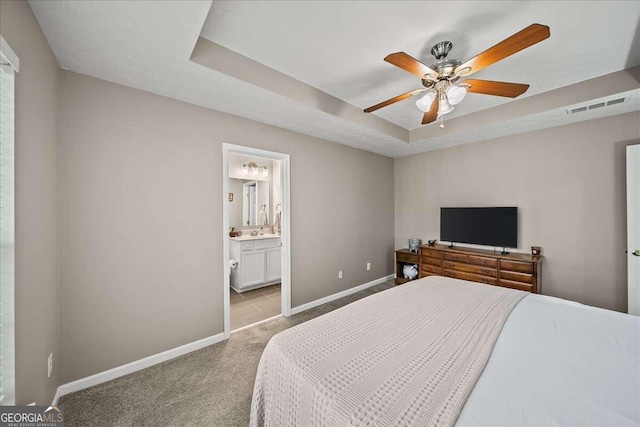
[[442, 81]]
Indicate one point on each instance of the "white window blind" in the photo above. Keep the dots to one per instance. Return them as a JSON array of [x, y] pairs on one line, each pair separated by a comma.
[[7, 235]]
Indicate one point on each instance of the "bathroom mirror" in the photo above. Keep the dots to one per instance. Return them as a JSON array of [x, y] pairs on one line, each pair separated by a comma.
[[248, 203]]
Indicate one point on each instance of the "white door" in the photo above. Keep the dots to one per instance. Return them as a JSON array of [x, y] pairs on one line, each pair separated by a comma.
[[633, 228], [253, 267], [274, 264]]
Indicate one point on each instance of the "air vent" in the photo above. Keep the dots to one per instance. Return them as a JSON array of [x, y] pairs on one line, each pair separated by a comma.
[[615, 101], [596, 105]]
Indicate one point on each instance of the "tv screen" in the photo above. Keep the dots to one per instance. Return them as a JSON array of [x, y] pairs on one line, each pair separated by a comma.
[[480, 226]]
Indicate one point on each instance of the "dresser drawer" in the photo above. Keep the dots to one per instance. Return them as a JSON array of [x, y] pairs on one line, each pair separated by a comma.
[[469, 276], [452, 265], [456, 257], [434, 253], [431, 269], [407, 257], [431, 261], [483, 261], [520, 267], [516, 285], [516, 277]]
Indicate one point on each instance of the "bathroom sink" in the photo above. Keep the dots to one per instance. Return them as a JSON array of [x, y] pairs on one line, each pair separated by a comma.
[[243, 237], [258, 237]]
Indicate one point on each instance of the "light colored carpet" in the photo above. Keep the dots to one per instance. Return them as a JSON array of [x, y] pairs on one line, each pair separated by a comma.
[[209, 387]]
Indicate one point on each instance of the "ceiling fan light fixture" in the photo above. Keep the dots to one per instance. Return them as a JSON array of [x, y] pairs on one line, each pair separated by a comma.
[[455, 94], [424, 103], [445, 107]]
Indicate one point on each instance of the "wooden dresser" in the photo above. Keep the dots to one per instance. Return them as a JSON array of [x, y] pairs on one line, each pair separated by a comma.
[[516, 271]]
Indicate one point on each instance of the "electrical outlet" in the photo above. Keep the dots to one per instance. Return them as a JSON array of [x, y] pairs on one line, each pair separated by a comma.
[[340, 274], [368, 266], [49, 365]]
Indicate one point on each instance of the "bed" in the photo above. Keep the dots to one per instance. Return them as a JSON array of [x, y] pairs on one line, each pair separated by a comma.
[[442, 351]]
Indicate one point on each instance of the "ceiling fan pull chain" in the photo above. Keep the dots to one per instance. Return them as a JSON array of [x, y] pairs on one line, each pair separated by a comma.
[[441, 122]]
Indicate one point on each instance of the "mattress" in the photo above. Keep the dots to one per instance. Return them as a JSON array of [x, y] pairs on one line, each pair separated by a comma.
[[554, 362], [560, 363]]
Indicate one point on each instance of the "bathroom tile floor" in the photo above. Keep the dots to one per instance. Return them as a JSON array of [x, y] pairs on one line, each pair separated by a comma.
[[252, 306]]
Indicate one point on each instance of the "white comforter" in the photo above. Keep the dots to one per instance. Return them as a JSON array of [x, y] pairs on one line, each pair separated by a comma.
[[560, 363], [409, 356], [554, 363]]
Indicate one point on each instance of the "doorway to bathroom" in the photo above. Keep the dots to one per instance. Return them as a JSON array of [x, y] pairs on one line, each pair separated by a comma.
[[256, 236]]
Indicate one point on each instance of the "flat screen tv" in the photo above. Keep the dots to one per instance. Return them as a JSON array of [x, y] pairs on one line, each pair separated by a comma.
[[480, 226]]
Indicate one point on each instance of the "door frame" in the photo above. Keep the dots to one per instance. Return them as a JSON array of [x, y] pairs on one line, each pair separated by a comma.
[[633, 229], [285, 224]]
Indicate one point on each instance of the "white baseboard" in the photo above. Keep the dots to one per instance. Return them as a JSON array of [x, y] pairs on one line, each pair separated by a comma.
[[102, 377], [154, 359], [313, 304], [56, 397]]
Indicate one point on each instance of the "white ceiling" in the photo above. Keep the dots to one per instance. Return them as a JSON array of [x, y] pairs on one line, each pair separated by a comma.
[[337, 47]]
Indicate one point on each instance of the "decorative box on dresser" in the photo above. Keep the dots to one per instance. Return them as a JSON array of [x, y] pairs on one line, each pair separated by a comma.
[[403, 257], [514, 270]]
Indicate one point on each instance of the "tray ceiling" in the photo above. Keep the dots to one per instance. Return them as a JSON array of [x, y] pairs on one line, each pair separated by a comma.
[[337, 48]]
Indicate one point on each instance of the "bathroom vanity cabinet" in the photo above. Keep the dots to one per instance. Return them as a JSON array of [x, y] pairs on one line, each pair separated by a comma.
[[258, 260]]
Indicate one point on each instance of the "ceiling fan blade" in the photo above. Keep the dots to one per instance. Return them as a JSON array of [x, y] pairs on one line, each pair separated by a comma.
[[394, 100], [410, 64], [488, 87], [432, 114], [531, 35]]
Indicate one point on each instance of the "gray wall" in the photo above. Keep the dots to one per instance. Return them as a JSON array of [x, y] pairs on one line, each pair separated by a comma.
[[141, 211], [568, 183], [36, 293]]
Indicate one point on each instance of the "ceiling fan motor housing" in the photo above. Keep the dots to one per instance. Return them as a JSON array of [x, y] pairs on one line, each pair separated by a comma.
[[444, 67]]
